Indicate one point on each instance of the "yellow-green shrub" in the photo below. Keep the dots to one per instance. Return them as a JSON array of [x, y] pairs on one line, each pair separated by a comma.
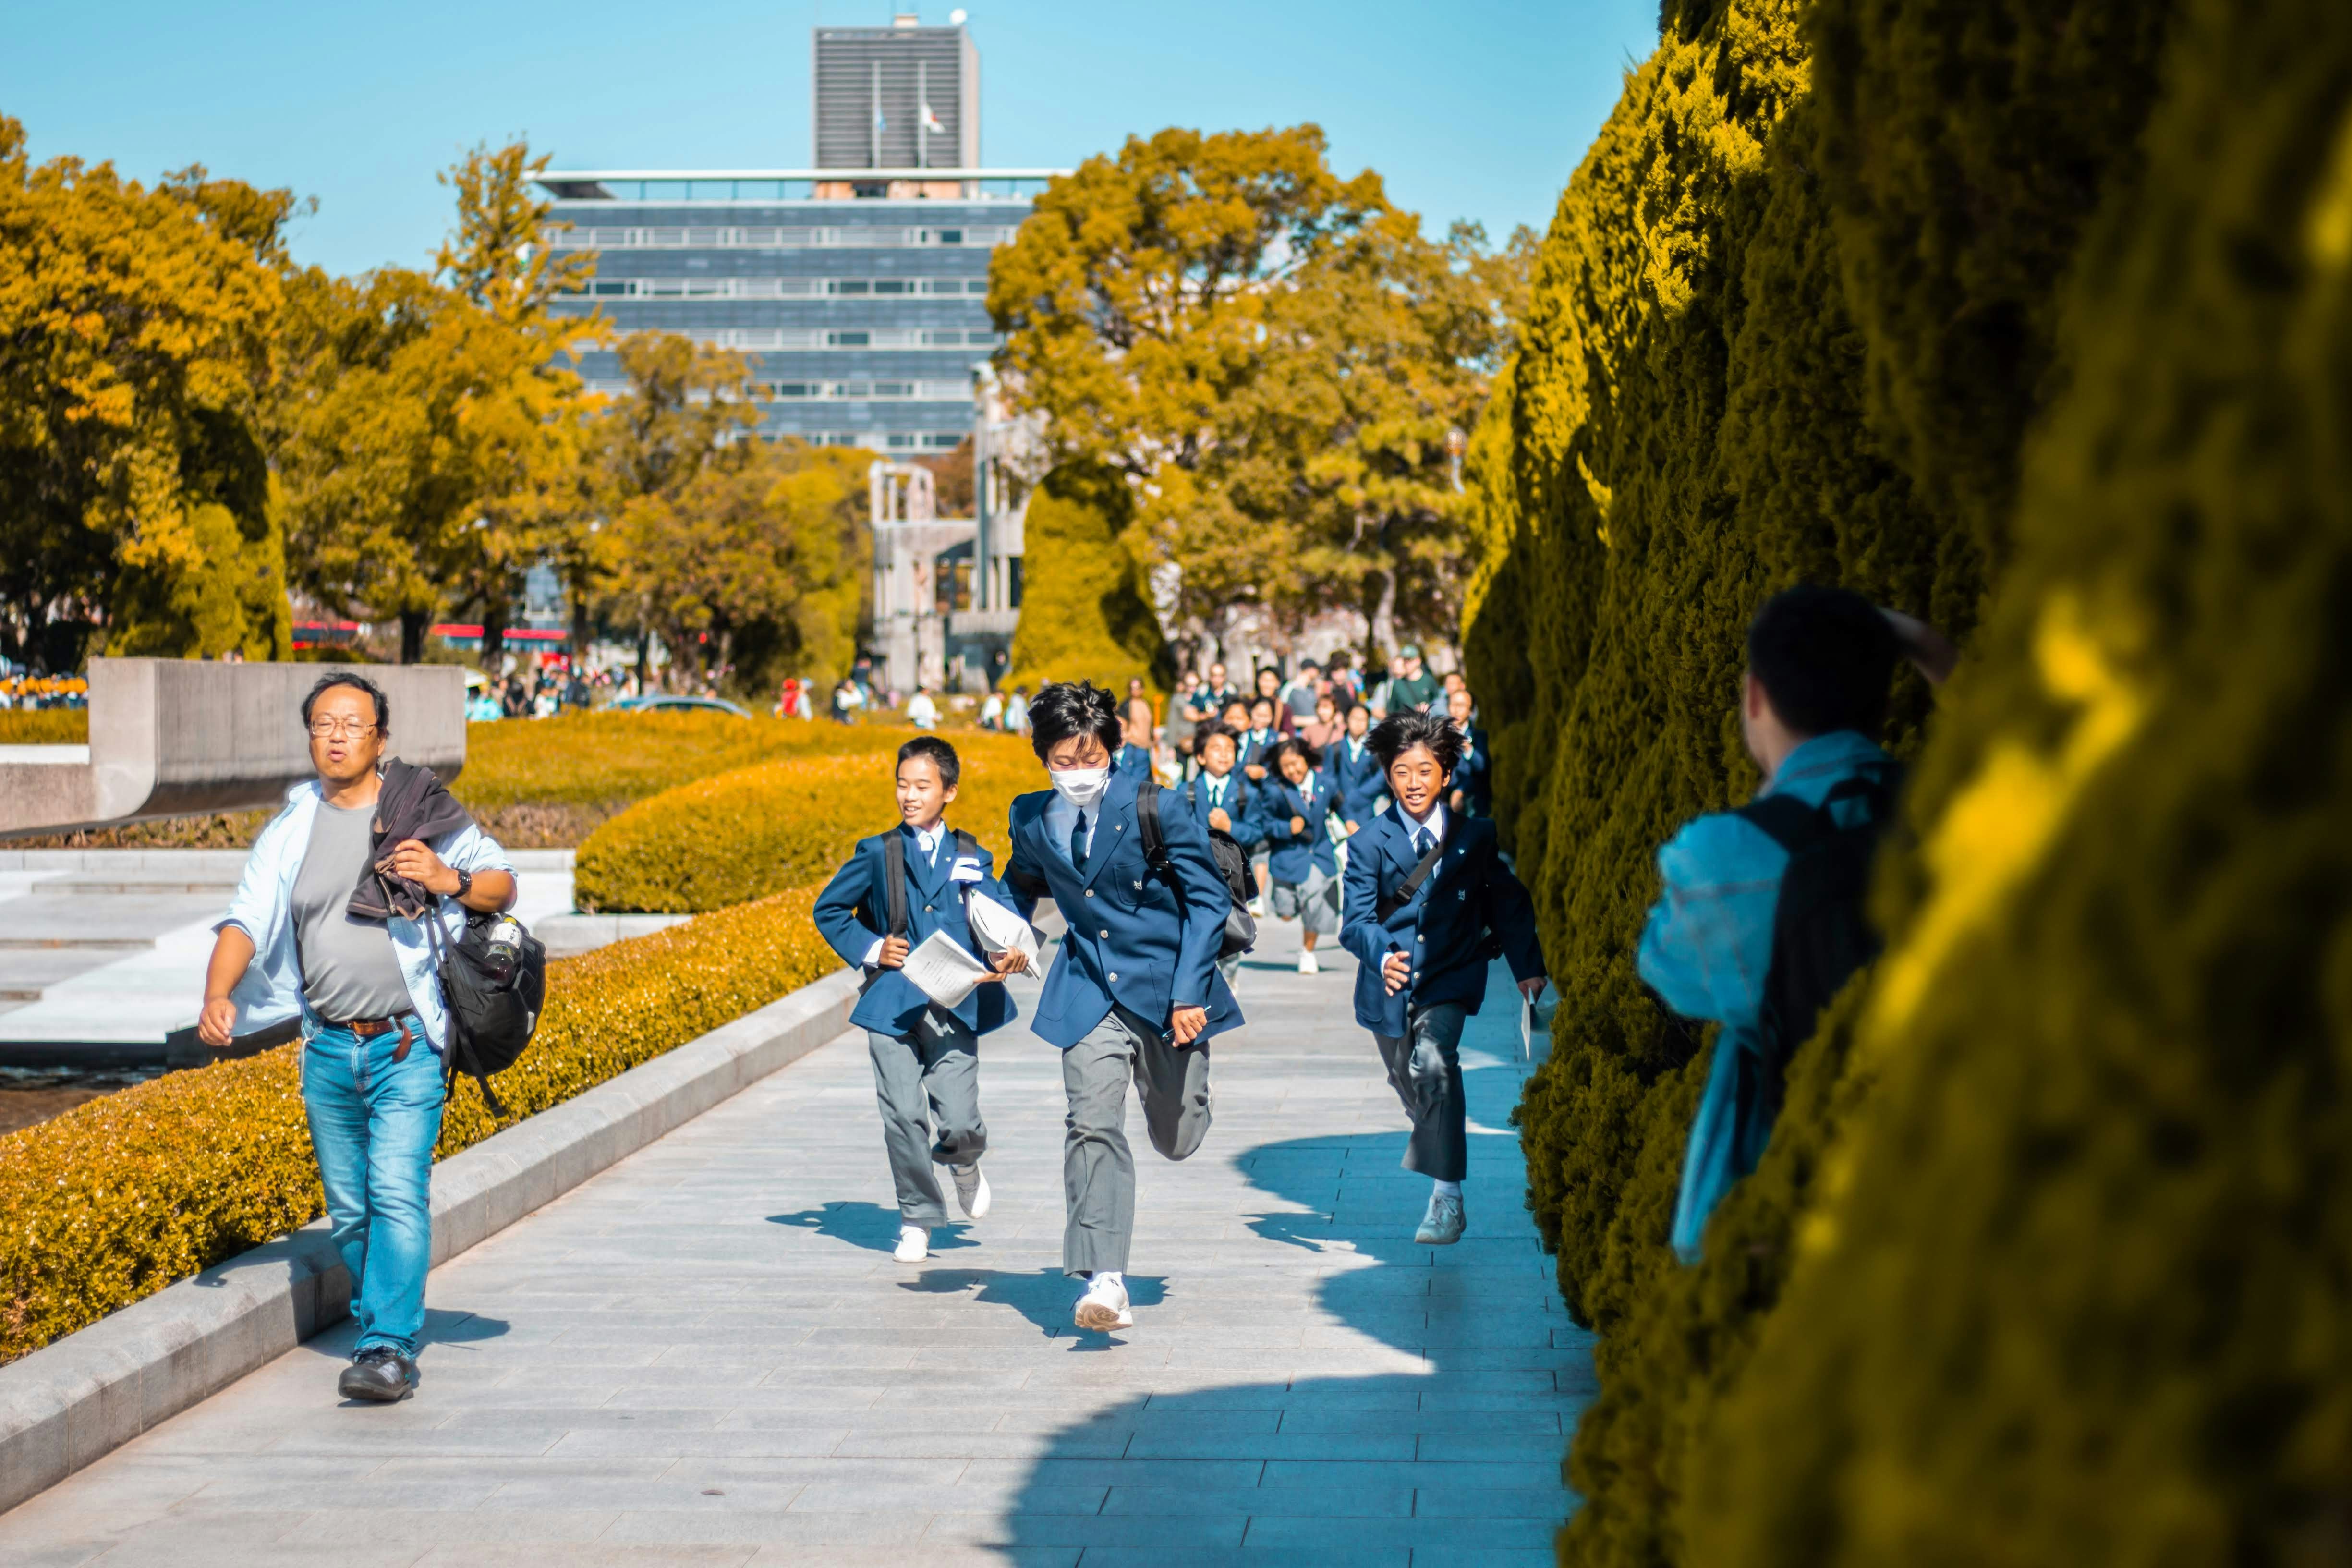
[[118, 1198], [44, 726], [745, 834]]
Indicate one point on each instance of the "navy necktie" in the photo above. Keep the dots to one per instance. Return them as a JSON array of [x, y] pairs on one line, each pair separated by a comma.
[[1420, 842], [1078, 843]]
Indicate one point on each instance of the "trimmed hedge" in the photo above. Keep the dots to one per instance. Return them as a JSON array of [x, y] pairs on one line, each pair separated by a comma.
[[44, 726], [1795, 315], [2074, 1286], [1084, 614], [745, 834], [118, 1198]]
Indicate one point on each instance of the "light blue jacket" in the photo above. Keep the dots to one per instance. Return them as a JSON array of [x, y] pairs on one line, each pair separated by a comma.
[[263, 908], [1706, 951]]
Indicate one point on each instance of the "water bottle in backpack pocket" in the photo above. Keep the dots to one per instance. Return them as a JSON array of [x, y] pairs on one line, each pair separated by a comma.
[[494, 979]]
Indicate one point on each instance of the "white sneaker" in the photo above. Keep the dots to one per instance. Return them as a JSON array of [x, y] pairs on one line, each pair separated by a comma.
[[972, 1190], [914, 1244], [1102, 1306], [1257, 909], [1307, 965], [1441, 1225]]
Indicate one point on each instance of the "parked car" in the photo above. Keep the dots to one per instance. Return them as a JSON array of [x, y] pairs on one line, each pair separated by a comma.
[[665, 702]]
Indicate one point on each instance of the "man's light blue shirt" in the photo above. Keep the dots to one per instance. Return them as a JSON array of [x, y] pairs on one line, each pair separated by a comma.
[[271, 990], [1707, 949]]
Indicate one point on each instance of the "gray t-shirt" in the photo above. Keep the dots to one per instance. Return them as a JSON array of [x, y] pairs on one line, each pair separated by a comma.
[[349, 967]]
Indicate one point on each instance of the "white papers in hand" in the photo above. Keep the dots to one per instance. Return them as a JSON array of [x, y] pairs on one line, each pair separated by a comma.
[[1000, 930], [942, 970]]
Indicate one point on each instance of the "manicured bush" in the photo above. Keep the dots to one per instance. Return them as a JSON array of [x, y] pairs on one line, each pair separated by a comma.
[[118, 1198], [2075, 1287], [1084, 612], [44, 726], [748, 833]]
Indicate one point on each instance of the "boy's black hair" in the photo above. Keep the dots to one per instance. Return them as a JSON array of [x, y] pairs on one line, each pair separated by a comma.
[[1825, 658], [942, 755], [345, 677], [1267, 700], [1209, 730], [1298, 743], [1063, 708], [1398, 734], [1237, 703]]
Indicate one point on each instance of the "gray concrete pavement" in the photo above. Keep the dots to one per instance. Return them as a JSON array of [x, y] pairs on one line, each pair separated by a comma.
[[706, 1354]]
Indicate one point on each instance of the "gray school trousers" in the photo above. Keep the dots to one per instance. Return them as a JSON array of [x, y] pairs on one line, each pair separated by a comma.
[[938, 1063], [1424, 1067], [1097, 1166]]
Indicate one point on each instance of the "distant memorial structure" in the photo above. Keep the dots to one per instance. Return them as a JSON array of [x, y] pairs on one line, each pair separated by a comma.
[[172, 737]]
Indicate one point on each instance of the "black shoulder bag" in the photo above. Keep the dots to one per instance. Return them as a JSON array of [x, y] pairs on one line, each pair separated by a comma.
[[495, 983], [1233, 868], [1401, 895]]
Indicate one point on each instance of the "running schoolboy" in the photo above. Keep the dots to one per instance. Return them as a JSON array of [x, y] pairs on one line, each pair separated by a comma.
[[1424, 950], [1134, 992], [1298, 809], [1356, 776], [1220, 798], [922, 1052]]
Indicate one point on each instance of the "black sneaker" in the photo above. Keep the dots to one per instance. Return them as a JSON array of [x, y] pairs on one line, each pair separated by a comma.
[[379, 1374]]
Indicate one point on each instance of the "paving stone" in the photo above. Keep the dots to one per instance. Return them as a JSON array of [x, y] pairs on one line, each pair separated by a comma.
[[706, 1356]]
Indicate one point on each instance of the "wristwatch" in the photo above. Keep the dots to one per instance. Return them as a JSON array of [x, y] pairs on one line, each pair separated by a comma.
[[465, 884]]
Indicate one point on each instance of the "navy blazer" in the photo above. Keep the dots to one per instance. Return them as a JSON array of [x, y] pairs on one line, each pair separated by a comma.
[[1252, 753], [854, 909], [1359, 785], [1245, 806], [1291, 853], [1131, 939], [1469, 903], [1134, 762]]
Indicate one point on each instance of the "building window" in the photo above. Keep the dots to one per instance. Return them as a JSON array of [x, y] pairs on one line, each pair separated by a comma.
[[848, 340]]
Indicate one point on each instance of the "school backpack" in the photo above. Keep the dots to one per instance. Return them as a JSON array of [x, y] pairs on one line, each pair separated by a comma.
[[495, 981], [893, 866], [1232, 862], [1820, 923]]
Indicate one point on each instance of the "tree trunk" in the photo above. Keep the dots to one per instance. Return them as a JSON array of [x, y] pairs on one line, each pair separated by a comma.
[[494, 630], [580, 631], [1383, 628], [412, 634], [645, 649]]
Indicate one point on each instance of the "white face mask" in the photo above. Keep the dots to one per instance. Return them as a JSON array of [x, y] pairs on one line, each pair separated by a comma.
[[1081, 786]]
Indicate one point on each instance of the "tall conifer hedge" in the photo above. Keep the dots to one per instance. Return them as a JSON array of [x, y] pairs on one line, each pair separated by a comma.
[[1084, 615], [1796, 317]]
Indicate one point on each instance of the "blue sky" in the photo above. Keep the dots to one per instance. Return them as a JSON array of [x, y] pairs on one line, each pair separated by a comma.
[[1476, 110]]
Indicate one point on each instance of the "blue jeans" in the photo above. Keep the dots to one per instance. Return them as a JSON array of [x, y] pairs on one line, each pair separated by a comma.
[[373, 1122]]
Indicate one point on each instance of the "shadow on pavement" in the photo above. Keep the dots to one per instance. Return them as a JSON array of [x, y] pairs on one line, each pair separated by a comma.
[[867, 1225]]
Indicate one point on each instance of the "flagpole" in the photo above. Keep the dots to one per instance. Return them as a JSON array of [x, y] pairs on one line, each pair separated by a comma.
[[922, 114]]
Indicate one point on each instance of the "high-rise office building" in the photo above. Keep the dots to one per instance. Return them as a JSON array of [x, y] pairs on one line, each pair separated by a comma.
[[901, 97], [855, 287]]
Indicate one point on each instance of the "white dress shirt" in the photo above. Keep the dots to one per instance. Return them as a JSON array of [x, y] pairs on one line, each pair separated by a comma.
[[1433, 825], [1061, 816]]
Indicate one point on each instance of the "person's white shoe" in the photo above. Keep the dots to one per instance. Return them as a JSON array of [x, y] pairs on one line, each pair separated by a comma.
[[1441, 1225], [1102, 1306], [1307, 965], [972, 1190], [914, 1244], [1257, 909]]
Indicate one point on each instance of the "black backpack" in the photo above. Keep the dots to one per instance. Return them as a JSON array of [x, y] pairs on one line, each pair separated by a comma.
[[1232, 862], [894, 865], [495, 992], [1820, 923]]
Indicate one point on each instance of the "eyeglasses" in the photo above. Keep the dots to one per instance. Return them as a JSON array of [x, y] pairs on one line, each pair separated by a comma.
[[325, 728]]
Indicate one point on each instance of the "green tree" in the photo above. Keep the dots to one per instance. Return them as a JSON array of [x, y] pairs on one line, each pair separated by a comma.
[[1271, 356], [1084, 615], [137, 329]]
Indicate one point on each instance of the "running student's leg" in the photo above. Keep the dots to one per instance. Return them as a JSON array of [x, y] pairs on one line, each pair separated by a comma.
[[1173, 1081], [332, 1071], [404, 1108], [1318, 908], [1097, 1166], [1440, 1146], [905, 1136], [951, 1080]]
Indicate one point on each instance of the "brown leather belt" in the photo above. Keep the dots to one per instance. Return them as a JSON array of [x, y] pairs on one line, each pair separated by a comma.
[[369, 1028]]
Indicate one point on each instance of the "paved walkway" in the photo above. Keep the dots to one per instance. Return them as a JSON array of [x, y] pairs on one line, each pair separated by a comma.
[[705, 1355]]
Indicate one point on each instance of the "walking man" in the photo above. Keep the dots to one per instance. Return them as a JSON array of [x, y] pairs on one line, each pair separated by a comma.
[[1428, 899], [329, 924], [1134, 992]]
